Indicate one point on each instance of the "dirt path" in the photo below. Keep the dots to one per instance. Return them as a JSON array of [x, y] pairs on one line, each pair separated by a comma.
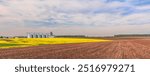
[[118, 49]]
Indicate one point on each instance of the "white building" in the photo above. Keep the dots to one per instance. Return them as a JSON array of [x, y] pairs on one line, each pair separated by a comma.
[[40, 35]]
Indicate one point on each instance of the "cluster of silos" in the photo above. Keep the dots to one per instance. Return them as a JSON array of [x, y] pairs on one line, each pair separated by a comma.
[[40, 35]]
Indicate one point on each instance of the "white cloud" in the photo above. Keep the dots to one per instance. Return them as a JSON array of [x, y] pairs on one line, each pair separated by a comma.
[[72, 14], [146, 7]]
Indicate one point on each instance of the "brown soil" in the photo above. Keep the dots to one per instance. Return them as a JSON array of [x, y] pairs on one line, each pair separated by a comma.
[[117, 49]]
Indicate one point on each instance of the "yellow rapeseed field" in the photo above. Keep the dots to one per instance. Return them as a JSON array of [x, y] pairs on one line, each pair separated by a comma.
[[25, 42]]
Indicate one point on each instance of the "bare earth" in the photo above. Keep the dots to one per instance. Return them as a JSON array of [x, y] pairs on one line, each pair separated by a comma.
[[117, 49]]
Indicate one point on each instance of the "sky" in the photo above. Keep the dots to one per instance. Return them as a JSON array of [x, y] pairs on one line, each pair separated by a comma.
[[75, 17]]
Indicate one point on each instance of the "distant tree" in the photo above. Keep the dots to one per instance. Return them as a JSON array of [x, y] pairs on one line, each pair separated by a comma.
[[1, 36]]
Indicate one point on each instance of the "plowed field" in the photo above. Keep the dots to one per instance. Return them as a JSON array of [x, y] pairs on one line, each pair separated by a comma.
[[117, 49]]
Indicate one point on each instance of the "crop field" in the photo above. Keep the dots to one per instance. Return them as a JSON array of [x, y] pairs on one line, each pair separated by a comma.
[[26, 42], [115, 49]]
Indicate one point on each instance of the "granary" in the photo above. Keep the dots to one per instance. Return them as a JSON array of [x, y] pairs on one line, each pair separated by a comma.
[[40, 35]]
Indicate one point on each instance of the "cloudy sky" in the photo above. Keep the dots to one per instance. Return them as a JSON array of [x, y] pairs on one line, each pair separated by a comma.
[[88, 17]]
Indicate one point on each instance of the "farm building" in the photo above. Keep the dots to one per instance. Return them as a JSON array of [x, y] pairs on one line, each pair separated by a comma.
[[40, 35]]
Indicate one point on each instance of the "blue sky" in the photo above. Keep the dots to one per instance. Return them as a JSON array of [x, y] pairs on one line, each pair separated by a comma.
[[89, 17]]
